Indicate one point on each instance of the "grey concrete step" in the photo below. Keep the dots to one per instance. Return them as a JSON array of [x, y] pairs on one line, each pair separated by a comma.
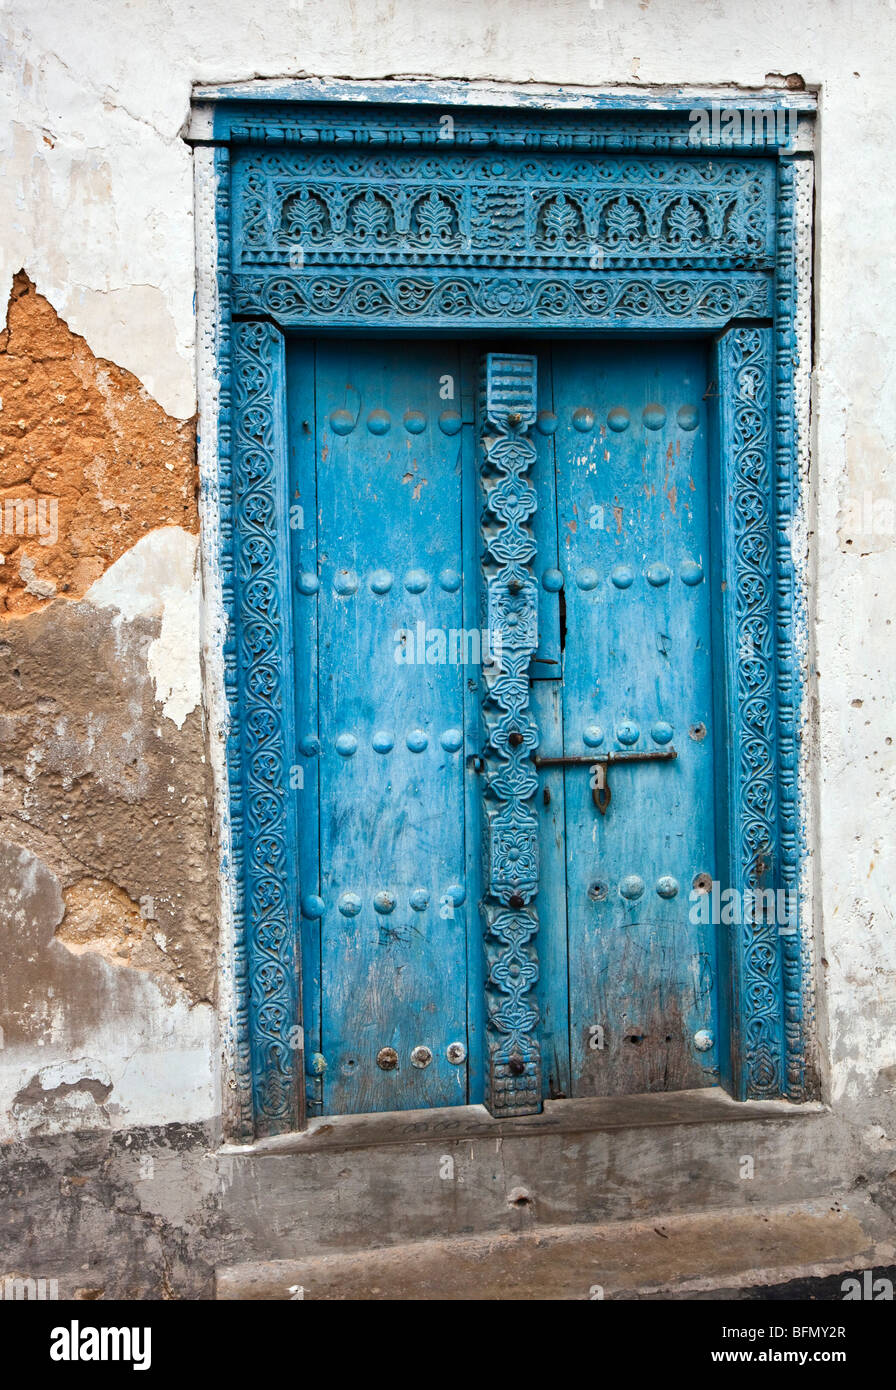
[[682, 1256]]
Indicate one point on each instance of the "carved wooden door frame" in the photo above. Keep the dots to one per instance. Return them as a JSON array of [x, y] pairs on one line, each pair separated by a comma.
[[426, 208]]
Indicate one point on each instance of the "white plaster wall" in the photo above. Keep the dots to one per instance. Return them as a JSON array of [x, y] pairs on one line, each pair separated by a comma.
[[96, 200], [158, 578]]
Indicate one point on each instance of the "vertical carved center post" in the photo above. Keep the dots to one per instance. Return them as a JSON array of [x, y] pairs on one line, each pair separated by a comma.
[[507, 405]]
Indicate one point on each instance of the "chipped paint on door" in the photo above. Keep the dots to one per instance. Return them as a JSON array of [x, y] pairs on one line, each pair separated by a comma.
[[380, 597], [625, 568]]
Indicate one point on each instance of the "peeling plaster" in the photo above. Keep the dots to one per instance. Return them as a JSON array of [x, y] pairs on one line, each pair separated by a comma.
[[41, 588], [61, 1078], [158, 578], [88, 1044], [134, 327], [89, 462]]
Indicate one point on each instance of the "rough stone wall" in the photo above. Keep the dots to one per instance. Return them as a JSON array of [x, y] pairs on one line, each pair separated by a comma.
[[106, 797]]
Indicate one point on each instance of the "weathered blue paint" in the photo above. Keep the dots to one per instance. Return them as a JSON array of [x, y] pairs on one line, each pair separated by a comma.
[[610, 220], [746, 511], [266, 112], [379, 575], [231, 101], [261, 744], [630, 468]]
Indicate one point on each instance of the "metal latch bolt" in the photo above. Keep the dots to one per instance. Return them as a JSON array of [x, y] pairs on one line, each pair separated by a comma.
[[600, 785]]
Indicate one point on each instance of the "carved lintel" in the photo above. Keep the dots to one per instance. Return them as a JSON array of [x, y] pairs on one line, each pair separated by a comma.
[[347, 294]]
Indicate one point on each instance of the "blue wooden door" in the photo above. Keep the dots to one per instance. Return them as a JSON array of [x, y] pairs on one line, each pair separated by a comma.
[[383, 645], [387, 594], [626, 667]]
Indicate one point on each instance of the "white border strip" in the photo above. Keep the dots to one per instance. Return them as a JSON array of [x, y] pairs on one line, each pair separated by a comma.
[[213, 621], [804, 620], [529, 97]]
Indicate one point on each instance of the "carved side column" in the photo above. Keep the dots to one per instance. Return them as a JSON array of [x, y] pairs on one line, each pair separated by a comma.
[[507, 403], [748, 542], [262, 736]]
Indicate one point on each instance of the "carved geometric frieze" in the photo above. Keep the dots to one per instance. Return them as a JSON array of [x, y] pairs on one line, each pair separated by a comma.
[[515, 210]]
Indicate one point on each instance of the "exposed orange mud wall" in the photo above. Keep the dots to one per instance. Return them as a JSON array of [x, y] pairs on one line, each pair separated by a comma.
[[89, 462]]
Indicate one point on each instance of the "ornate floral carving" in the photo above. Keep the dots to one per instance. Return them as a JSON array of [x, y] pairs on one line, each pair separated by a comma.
[[651, 300], [506, 414], [685, 225], [244, 1119], [622, 224], [434, 222], [370, 220], [305, 218], [560, 224], [747, 413], [261, 757], [529, 209]]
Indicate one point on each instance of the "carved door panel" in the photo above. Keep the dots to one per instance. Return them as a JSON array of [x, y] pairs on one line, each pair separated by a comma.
[[381, 588], [625, 559]]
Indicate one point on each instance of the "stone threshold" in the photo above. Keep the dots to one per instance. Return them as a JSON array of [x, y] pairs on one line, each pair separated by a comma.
[[720, 1253], [709, 1105]]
